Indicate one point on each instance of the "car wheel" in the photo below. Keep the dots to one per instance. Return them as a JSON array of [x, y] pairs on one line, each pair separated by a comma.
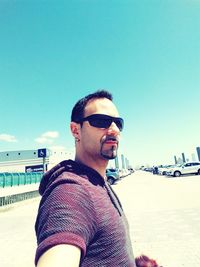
[[198, 172], [111, 180], [177, 174]]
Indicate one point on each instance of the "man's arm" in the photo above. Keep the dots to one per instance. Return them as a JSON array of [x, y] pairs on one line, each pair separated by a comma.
[[60, 255]]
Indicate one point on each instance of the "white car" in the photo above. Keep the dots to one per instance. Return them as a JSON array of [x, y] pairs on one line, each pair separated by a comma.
[[185, 168], [162, 170]]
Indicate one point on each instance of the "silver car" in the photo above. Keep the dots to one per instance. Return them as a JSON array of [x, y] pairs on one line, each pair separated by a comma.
[[185, 168]]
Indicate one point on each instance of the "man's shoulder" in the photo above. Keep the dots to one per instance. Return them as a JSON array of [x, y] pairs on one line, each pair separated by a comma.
[[72, 177], [70, 180]]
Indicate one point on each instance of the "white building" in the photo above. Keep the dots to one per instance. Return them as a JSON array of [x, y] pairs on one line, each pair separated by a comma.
[[31, 160]]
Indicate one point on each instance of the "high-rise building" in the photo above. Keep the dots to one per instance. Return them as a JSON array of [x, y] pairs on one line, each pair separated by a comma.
[[183, 157], [193, 157], [116, 163], [127, 163], [123, 161], [198, 152]]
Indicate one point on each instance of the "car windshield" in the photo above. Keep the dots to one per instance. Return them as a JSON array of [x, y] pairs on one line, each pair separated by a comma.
[[111, 170]]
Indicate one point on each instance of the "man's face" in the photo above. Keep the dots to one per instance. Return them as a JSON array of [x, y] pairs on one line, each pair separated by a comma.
[[100, 142]]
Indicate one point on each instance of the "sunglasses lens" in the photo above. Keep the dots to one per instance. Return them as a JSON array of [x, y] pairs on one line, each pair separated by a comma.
[[120, 123], [100, 122], [104, 121]]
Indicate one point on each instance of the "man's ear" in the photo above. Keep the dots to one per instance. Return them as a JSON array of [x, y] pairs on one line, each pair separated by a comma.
[[75, 129]]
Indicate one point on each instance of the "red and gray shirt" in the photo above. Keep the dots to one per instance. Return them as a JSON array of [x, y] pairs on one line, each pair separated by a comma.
[[79, 208]]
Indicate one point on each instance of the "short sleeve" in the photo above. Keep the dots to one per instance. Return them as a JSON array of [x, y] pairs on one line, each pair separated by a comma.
[[67, 216]]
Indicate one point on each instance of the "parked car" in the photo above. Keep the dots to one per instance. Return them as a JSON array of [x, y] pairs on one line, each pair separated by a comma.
[[131, 170], [164, 169], [124, 172], [147, 169], [185, 168], [112, 175]]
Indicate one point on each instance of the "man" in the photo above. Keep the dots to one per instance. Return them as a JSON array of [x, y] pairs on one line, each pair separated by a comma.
[[80, 220]]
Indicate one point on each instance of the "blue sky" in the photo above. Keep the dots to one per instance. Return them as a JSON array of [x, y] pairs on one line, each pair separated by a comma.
[[147, 53]]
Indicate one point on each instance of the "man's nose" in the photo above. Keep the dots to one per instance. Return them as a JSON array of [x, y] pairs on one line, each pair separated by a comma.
[[113, 129]]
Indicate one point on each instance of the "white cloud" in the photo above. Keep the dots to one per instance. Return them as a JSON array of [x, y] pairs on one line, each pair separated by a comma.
[[47, 137], [43, 140], [8, 138], [50, 134]]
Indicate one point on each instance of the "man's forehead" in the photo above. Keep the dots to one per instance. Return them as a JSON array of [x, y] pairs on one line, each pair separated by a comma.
[[101, 105]]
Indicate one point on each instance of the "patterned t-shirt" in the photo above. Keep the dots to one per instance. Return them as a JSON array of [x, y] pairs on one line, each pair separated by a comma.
[[79, 208]]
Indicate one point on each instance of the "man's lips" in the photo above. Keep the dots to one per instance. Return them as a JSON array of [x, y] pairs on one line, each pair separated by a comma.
[[111, 141]]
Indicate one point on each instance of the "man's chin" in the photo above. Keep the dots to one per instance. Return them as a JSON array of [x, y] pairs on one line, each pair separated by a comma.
[[107, 156]]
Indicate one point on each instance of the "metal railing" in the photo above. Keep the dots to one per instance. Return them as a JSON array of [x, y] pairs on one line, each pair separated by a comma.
[[8, 179], [15, 186], [11, 199]]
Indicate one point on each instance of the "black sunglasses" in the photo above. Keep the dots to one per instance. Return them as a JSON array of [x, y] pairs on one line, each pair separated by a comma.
[[103, 121]]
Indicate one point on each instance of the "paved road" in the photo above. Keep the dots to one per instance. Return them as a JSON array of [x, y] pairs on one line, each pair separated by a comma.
[[164, 217], [163, 213]]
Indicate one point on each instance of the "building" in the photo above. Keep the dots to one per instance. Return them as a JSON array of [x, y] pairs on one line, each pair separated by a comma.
[[31, 160], [198, 152]]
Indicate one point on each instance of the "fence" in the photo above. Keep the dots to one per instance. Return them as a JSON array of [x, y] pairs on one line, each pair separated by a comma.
[[8, 200], [20, 186], [19, 178]]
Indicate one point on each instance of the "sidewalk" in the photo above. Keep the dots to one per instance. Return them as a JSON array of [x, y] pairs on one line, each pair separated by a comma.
[[17, 238], [7, 191]]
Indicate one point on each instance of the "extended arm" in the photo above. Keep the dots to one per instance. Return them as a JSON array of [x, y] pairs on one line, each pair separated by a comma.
[[60, 255]]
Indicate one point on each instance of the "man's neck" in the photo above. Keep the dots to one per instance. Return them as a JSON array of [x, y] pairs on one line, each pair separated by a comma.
[[99, 166]]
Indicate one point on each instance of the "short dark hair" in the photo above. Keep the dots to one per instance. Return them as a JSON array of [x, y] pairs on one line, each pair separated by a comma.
[[78, 109]]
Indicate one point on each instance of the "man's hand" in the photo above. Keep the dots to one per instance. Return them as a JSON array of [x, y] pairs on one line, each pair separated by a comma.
[[144, 261]]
